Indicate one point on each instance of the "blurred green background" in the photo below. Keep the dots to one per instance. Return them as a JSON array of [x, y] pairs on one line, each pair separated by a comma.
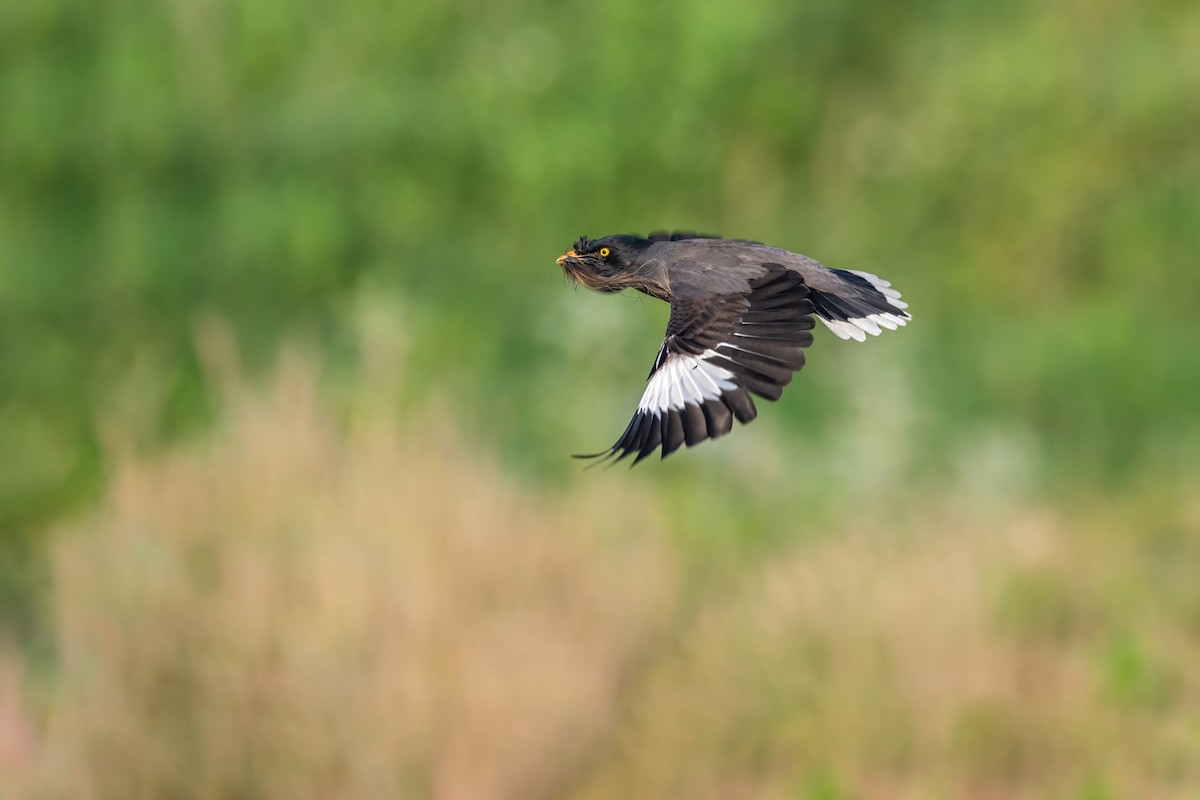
[[389, 184]]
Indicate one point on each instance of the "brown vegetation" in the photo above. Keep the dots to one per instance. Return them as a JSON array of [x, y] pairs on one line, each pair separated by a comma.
[[293, 610], [304, 605]]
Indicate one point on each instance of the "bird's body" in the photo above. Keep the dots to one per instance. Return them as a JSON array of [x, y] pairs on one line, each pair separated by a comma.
[[741, 314]]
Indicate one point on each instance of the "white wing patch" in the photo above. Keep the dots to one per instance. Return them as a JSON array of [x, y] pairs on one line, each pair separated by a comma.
[[884, 287], [685, 379], [857, 328]]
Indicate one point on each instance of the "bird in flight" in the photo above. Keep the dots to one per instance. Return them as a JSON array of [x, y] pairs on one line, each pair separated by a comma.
[[741, 315]]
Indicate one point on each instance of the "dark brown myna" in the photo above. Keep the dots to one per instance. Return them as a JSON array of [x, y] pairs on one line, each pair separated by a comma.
[[741, 314]]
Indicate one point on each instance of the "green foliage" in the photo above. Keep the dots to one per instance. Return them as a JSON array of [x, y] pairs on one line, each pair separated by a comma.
[[1025, 173]]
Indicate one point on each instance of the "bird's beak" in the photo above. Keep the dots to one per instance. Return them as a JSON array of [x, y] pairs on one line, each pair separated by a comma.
[[570, 254]]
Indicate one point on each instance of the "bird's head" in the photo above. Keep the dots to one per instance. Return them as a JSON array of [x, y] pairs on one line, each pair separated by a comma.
[[606, 265]]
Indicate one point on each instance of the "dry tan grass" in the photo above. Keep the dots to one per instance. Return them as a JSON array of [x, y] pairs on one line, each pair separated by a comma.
[[309, 604], [294, 609], [1017, 658], [18, 733]]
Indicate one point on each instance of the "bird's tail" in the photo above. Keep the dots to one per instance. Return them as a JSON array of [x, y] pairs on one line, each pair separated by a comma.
[[862, 303]]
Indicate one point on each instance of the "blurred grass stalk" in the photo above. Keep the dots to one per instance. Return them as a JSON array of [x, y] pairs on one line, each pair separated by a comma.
[[307, 607], [310, 603]]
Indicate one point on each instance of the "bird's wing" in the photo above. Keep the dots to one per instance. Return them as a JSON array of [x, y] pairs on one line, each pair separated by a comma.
[[851, 303], [719, 347]]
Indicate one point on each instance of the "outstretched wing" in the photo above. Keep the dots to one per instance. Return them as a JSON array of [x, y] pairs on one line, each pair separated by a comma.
[[719, 349]]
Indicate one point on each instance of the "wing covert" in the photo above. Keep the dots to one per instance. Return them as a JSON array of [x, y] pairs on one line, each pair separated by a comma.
[[719, 349]]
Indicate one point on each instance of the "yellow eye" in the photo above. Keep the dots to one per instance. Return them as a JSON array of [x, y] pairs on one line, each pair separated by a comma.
[[604, 252]]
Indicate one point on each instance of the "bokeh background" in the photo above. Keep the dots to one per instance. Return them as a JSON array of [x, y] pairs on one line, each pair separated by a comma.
[[288, 382]]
